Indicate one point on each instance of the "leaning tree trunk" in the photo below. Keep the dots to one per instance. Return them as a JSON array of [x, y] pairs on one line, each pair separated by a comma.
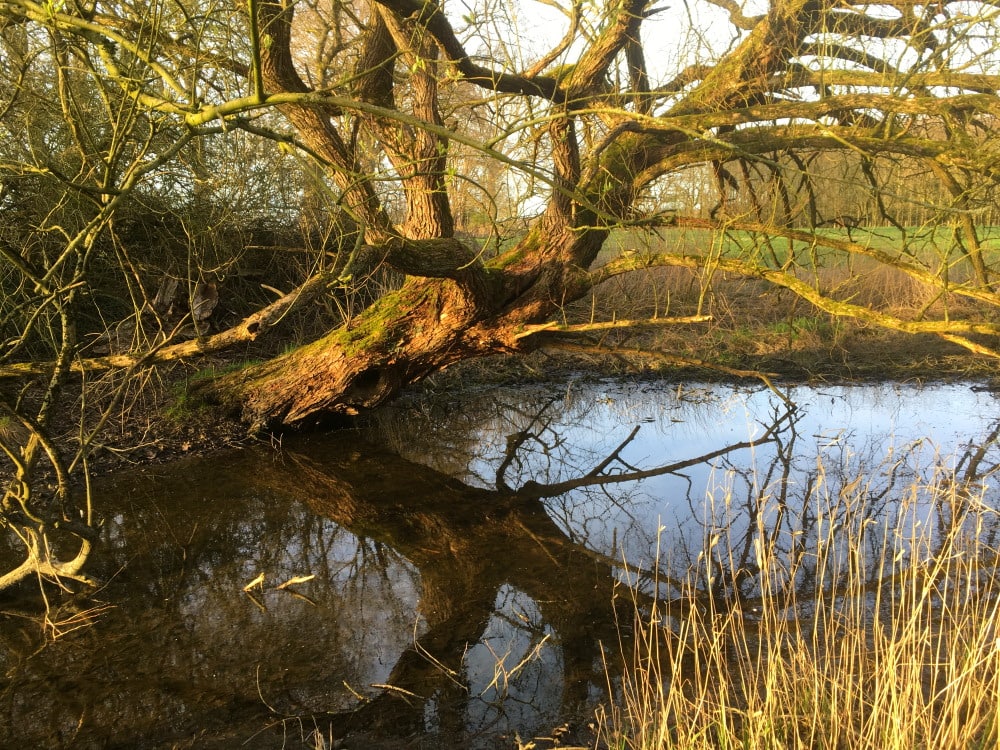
[[453, 306], [401, 338], [427, 325]]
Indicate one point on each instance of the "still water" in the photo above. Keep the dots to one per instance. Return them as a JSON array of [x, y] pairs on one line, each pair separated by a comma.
[[453, 575]]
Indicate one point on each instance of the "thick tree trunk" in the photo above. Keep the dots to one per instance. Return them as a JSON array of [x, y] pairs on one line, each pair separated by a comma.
[[401, 338], [427, 325], [453, 306]]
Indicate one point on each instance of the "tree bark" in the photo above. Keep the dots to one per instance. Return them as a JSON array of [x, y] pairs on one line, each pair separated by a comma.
[[427, 325], [468, 309]]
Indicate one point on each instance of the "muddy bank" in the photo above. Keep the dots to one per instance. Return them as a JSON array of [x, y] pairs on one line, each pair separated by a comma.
[[170, 429]]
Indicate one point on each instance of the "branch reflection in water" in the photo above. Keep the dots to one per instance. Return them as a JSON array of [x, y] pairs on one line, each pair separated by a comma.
[[481, 584]]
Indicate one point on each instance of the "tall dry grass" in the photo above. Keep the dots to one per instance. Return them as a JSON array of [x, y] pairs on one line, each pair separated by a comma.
[[858, 634]]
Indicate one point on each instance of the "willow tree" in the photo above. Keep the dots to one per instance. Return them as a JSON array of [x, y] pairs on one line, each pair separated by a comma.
[[401, 103]]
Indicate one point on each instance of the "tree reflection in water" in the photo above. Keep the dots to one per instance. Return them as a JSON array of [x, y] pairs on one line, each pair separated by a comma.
[[443, 609]]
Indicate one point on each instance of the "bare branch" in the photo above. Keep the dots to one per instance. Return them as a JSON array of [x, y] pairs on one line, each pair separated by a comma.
[[736, 15], [553, 327], [427, 13], [956, 331]]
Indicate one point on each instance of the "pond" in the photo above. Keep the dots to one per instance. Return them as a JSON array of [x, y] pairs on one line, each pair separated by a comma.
[[465, 573]]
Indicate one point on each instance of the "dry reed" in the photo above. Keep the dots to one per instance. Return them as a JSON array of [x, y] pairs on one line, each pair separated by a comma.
[[865, 635]]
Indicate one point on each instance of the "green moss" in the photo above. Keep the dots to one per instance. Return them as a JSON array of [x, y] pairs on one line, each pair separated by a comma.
[[188, 404], [186, 408], [512, 257]]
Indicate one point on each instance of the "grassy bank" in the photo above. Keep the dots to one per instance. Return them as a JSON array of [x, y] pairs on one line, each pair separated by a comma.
[[857, 633]]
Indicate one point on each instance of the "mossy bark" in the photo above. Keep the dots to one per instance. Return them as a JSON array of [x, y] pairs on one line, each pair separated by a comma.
[[425, 326], [454, 306]]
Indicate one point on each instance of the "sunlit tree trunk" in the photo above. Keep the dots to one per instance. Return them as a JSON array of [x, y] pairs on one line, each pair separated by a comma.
[[454, 306]]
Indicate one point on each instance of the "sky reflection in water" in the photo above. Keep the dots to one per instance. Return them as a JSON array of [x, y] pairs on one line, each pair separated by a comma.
[[871, 430], [460, 613]]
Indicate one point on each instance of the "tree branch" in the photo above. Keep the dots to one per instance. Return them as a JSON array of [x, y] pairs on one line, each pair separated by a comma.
[[432, 17], [736, 15], [248, 329], [956, 331], [548, 329]]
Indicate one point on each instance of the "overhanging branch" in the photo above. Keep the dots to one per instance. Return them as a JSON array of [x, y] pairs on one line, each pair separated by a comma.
[[248, 329], [552, 327], [956, 331], [632, 261]]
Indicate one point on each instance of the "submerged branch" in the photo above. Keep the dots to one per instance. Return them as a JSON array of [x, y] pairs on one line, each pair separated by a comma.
[[40, 562]]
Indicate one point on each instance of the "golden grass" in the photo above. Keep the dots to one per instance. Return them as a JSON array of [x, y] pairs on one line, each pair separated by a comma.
[[862, 637]]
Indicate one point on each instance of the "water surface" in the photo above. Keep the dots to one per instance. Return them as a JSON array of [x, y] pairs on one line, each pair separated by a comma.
[[465, 560]]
